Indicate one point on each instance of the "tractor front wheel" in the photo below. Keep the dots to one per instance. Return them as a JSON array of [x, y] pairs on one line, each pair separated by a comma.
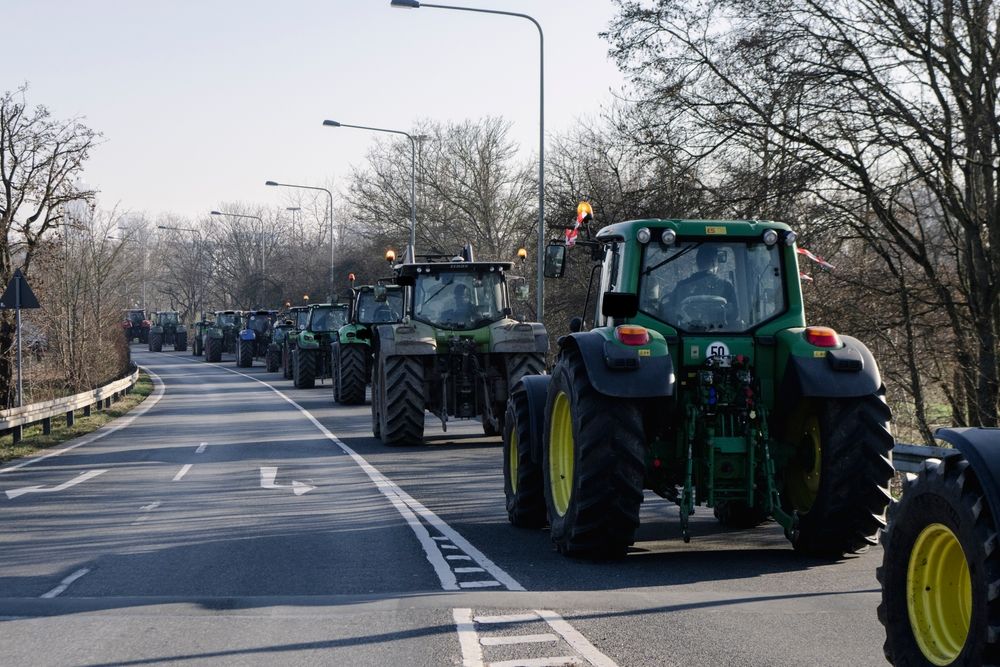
[[402, 409], [351, 377], [155, 342], [941, 570], [196, 346], [213, 350], [180, 342], [303, 368], [272, 360], [837, 482], [523, 481], [593, 462], [244, 354]]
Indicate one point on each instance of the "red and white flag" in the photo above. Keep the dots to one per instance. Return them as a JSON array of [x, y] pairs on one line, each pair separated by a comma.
[[819, 260], [584, 212]]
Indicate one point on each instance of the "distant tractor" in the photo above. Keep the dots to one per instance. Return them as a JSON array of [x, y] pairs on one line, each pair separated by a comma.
[[166, 329], [371, 305], [275, 349], [221, 336], [254, 338], [940, 569], [198, 337], [310, 347], [136, 326], [299, 316], [457, 351], [702, 383]]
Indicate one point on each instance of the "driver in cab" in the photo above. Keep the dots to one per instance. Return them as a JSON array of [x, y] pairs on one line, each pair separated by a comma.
[[462, 310], [705, 282]]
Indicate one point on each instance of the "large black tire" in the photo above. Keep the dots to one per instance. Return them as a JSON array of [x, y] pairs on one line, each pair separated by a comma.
[[402, 409], [213, 350], [351, 375], [244, 354], [838, 481], [155, 342], [523, 481], [519, 365], [303, 368], [941, 570], [286, 362], [272, 360], [593, 461], [196, 350], [377, 398], [180, 342]]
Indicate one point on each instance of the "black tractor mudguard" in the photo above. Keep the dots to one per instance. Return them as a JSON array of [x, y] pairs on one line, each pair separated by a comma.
[[845, 373], [536, 389], [981, 448], [611, 375]]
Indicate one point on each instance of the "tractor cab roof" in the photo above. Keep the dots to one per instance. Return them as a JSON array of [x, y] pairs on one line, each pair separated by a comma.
[[406, 274], [716, 229]]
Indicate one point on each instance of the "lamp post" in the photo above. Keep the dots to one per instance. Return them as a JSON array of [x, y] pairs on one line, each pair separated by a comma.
[[413, 173], [416, 4], [330, 195], [261, 221]]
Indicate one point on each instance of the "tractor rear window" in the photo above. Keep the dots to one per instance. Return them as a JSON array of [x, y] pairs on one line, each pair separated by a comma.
[[459, 301], [327, 319], [711, 286], [371, 311]]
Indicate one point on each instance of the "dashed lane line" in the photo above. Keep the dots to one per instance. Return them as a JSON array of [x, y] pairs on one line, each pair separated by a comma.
[[183, 471]]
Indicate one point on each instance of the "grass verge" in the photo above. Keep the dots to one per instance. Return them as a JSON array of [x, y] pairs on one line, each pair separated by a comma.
[[33, 439]]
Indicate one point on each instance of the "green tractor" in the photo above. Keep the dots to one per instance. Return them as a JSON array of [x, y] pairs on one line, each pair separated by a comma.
[[371, 305], [275, 349], [456, 352], [166, 329], [221, 336], [702, 383], [299, 316], [310, 347], [255, 336], [198, 339]]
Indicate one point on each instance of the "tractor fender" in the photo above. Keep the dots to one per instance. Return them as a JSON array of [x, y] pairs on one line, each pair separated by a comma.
[[535, 388], [156, 329], [214, 333], [248, 334], [649, 377], [180, 329], [847, 372], [529, 337], [981, 448], [405, 339]]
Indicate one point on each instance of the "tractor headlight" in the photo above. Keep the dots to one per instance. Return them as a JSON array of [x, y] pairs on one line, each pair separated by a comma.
[[789, 238], [770, 237], [668, 237], [643, 235]]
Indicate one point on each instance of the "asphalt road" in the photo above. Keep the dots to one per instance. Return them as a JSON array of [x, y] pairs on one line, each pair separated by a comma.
[[239, 521]]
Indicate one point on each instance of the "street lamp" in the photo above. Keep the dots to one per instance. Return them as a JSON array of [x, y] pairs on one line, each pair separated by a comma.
[[330, 195], [177, 229], [413, 173], [415, 4], [261, 221]]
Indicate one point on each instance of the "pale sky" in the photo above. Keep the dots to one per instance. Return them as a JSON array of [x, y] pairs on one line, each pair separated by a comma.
[[201, 101]]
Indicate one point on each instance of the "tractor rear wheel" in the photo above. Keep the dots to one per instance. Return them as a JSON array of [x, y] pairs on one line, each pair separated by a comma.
[[303, 368], [519, 365], [350, 375], [837, 483], [286, 363], [376, 399], [402, 409], [155, 342], [523, 481], [941, 570], [180, 342], [213, 350], [244, 354], [272, 360], [196, 346], [593, 460]]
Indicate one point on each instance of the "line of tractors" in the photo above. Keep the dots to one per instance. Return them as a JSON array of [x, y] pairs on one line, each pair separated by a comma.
[[690, 374]]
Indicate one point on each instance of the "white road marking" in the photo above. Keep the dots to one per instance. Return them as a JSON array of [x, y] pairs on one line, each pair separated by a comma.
[[183, 471], [65, 583], [106, 430], [466, 570], [201, 448], [459, 557], [561, 661], [150, 507], [82, 477], [440, 538], [409, 508], [519, 639], [508, 618], [472, 654], [575, 639], [479, 584], [449, 546], [269, 473]]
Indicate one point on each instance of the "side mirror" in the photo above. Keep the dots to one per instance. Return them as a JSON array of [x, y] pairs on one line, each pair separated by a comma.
[[381, 294], [521, 291], [555, 260], [576, 324], [619, 304]]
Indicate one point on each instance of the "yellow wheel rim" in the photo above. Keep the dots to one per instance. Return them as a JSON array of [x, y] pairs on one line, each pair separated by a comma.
[[561, 454], [939, 594], [512, 459], [804, 470]]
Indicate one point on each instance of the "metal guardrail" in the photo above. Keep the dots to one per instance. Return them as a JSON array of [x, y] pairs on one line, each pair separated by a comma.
[[13, 420], [909, 458]]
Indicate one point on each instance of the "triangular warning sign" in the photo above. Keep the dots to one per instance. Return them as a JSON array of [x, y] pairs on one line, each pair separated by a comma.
[[18, 283]]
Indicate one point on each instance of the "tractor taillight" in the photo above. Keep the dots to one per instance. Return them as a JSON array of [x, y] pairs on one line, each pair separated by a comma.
[[822, 337], [631, 334]]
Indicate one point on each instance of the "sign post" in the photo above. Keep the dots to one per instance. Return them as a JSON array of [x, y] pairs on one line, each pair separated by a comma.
[[18, 295]]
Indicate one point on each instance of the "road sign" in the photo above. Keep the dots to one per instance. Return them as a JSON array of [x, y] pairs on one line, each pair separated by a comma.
[[18, 287]]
